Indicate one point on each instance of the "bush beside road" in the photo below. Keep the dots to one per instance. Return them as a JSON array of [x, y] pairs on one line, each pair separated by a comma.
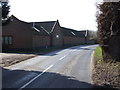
[[106, 74]]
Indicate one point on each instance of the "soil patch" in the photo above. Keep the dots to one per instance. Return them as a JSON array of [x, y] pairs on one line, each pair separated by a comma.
[[106, 74]]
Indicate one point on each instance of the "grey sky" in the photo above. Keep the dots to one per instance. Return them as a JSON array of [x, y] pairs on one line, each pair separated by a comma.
[[75, 14]]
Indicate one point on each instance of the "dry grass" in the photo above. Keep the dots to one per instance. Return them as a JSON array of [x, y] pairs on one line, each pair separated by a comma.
[[10, 59]]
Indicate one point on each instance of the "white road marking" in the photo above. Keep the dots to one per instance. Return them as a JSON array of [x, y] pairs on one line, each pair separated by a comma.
[[62, 57], [41, 73], [67, 54], [74, 50], [34, 78]]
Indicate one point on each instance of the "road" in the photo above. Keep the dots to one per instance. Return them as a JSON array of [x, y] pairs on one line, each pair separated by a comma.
[[66, 68]]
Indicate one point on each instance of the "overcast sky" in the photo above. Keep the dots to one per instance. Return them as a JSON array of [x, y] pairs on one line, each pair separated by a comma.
[[75, 14]]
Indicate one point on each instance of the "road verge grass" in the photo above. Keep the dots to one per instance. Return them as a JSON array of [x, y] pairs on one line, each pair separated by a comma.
[[98, 53]]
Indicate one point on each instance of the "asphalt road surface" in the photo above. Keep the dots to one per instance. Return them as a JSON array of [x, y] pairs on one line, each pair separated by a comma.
[[66, 68]]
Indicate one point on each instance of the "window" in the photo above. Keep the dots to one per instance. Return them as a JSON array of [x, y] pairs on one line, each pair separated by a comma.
[[7, 40]]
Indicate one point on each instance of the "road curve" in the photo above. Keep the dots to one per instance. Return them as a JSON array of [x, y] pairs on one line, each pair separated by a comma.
[[66, 68]]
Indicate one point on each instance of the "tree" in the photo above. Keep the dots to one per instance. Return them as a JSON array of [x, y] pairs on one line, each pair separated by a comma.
[[109, 30], [5, 13], [93, 35]]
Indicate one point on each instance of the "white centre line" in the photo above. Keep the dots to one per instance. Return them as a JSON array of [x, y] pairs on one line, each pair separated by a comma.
[[62, 57], [39, 75], [74, 50], [34, 78]]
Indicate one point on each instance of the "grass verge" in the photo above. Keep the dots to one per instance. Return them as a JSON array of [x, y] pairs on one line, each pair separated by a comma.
[[98, 53]]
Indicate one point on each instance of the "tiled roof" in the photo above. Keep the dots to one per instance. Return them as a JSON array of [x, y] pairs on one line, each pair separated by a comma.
[[35, 30], [46, 26], [71, 32], [38, 30], [84, 32]]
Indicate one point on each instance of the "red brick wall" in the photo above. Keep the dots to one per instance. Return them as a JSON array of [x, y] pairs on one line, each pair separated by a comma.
[[22, 36], [40, 41], [57, 42], [73, 40]]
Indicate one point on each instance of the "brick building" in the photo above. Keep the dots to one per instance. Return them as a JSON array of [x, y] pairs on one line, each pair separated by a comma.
[[53, 29], [23, 35], [72, 37], [16, 34]]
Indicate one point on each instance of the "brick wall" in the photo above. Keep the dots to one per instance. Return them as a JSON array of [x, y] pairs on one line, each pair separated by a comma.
[[57, 36], [21, 34], [73, 40], [40, 41]]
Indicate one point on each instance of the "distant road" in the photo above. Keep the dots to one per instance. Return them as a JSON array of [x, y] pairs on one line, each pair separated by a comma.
[[66, 68]]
